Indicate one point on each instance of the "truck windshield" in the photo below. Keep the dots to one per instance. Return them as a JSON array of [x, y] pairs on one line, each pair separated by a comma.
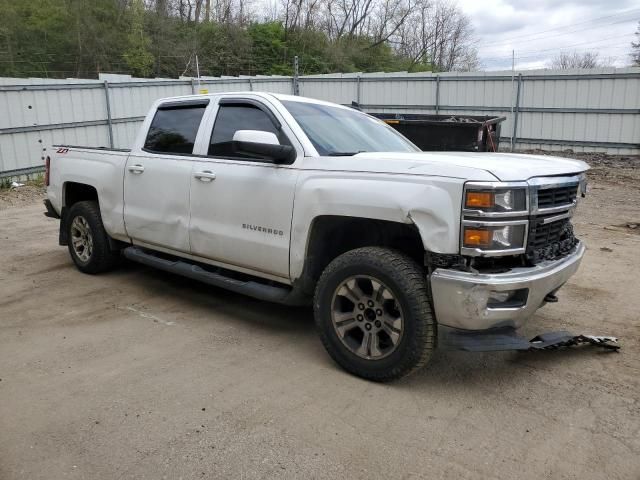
[[336, 131]]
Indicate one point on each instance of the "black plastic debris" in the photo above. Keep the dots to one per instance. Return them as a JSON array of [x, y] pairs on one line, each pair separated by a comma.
[[505, 339], [555, 340]]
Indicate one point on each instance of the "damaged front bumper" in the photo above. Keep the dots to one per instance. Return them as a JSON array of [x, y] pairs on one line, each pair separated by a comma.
[[479, 301]]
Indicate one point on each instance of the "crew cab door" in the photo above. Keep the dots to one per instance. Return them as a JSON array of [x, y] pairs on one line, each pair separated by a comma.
[[241, 207], [157, 177]]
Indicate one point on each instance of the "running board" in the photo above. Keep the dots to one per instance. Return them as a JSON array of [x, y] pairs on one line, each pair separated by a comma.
[[181, 267]]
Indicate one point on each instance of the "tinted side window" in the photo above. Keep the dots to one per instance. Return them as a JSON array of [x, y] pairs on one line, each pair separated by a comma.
[[173, 130], [232, 118]]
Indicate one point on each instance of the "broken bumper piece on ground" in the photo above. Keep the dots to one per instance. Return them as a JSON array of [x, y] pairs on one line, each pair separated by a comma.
[[505, 339]]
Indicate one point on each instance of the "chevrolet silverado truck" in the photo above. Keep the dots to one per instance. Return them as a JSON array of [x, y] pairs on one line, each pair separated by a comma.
[[299, 201]]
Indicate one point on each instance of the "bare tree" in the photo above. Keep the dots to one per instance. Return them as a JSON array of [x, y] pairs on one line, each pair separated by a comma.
[[388, 18], [429, 33], [198, 11], [230, 12], [340, 18], [270, 11], [437, 34], [347, 17], [298, 14], [161, 8], [432, 32], [564, 60]]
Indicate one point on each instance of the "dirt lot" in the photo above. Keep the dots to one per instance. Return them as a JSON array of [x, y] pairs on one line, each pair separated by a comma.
[[141, 374]]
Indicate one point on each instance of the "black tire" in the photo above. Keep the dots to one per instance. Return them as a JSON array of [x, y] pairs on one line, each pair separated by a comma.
[[101, 257], [408, 283]]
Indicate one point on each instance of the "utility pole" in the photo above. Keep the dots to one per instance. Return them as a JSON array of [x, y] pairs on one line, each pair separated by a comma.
[[200, 90], [513, 74], [514, 136], [296, 89]]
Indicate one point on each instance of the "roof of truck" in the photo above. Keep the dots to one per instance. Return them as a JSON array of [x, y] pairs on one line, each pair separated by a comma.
[[278, 96]]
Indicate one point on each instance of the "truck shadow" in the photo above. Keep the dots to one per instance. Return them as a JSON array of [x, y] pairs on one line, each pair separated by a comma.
[[513, 369], [222, 303], [474, 370]]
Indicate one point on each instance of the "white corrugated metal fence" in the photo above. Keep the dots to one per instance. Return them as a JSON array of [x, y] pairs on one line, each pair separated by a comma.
[[585, 110]]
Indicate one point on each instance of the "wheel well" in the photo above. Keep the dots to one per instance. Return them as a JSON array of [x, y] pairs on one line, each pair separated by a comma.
[[331, 236], [72, 193], [78, 192]]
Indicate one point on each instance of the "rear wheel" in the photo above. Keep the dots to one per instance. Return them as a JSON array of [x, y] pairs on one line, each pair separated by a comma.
[[87, 239], [373, 313]]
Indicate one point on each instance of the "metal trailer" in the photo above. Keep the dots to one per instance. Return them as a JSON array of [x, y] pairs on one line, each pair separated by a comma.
[[467, 133]]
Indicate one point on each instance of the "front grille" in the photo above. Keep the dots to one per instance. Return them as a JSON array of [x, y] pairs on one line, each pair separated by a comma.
[[549, 241], [557, 196], [548, 199]]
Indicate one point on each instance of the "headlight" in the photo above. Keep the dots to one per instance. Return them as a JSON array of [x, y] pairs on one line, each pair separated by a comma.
[[508, 200], [494, 238], [495, 218], [582, 186]]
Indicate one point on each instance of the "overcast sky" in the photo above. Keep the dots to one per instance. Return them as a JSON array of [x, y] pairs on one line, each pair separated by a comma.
[[538, 30]]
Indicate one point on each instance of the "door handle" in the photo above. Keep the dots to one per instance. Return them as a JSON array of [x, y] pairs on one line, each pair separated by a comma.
[[205, 176], [137, 169]]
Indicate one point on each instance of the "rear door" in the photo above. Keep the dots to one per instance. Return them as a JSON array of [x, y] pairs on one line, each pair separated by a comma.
[[241, 207], [157, 177]]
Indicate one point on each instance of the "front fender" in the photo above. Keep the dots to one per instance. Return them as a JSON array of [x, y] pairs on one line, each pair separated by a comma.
[[431, 203]]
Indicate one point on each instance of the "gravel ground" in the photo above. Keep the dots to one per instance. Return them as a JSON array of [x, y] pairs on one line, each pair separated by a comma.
[[26, 195], [142, 374]]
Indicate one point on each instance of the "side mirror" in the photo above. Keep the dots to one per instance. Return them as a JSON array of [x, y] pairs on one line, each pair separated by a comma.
[[256, 136], [264, 145]]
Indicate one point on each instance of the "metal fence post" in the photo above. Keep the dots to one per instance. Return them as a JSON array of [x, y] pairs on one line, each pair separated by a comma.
[[437, 94], [296, 87], [514, 136], [250, 85], [358, 93], [193, 87], [109, 120]]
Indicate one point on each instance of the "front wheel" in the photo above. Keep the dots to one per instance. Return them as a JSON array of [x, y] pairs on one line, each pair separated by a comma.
[[87, 239], [373, 314]]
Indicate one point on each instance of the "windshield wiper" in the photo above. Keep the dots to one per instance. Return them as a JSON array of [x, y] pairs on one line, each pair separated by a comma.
[[344, 154]]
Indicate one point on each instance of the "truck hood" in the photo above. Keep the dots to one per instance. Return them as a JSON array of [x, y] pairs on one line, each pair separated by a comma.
[[503, 166]]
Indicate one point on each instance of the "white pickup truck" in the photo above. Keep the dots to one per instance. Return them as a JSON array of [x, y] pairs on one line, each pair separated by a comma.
[[300, 201]]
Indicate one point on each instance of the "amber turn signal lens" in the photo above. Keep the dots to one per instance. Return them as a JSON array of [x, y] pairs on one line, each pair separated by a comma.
[[479, 200], [474, 237]]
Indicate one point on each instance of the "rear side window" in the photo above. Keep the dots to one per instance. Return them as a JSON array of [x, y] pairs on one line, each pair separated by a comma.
[[173, 130], [234, 117]]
